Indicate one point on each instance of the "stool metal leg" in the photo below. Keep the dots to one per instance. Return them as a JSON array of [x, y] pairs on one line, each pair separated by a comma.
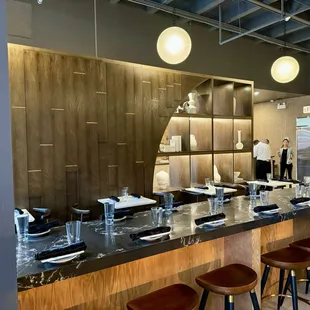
[[287, 284], [264, 278], [226, 302], [308, 282], [281, 280], [231, 304], [294, 290], [203, 300], [254, 300]]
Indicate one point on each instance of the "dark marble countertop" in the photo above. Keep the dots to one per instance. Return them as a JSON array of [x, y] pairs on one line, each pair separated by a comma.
[[109, 246]]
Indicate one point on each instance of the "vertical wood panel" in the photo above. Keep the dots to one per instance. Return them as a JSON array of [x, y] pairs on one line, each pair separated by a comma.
[[177, 87], [35, 189], [129, 90], [130, 138], [71, 186], [103, 169], [32, 110], [59, 164], [80, 87], [170, 90], [139, 113], [58, 76], [93, 162], [113, 179]]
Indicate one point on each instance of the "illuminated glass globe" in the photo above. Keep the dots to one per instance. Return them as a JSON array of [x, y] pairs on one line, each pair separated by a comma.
[[174, 45], [285, 69]]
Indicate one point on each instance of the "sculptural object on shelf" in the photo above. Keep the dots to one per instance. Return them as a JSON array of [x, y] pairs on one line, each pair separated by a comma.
[[193, 142], [162, 179], [217, 177], [190, 106], [239, 145]]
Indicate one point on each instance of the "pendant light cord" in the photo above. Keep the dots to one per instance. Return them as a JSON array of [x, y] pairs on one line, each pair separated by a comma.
[[284, 21], [174, 13]]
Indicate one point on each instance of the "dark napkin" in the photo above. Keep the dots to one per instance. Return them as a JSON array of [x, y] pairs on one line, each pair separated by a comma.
[[114, 198], [72, 248], [202, 187], [265, 208], [295, 201], [135, 195], [36, 229], [150, 232], [118, 214], [210, 218], [20, 211]]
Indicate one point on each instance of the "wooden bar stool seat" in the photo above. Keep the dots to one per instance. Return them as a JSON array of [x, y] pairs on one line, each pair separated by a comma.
[[303, 244], [291, 259], [173, 297], [230, 280]]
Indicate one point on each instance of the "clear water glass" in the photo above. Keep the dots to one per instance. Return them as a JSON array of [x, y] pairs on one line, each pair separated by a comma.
[[268, 176], [220, 196], [22, 225], [211, 183], [109, 208], [157, 215], [252, 191], [306, 190], [299, 190], [168, 198], [73, 230], [124, 194], [213, 205], [207, 181], [264, 198]]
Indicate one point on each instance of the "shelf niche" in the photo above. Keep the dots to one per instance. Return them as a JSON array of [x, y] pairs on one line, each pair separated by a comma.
[[245, 125], [201, 168], [243, 94]]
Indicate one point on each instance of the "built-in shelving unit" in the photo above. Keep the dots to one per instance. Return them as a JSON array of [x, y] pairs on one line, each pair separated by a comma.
[[223, 108]]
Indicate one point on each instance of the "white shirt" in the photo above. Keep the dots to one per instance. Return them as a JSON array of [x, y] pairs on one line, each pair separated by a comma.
[[262, 151]]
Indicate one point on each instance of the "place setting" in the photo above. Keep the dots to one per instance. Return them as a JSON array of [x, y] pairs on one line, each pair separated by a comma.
[[265, 209]]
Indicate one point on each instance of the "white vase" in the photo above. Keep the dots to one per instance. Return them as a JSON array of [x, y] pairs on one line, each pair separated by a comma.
[[190, 107], [162, 179], [239, 145], [217, 177], [193, 142]]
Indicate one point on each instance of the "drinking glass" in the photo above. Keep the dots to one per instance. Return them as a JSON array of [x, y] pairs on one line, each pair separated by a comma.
[[124, 194], [213, 205], [299, 190], [264, 198], [168, 198], [157, 216], [207, 181], [268, 176], [252, 191], [211, 183], [73, 229], [109, 208], [22, 224], [220, 196]]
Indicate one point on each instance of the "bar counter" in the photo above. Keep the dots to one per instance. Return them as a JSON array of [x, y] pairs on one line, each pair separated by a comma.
[[115, 269]]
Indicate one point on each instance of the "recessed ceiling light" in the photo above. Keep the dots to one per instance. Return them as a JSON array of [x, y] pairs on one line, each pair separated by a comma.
[[256, 93], [287, 18]]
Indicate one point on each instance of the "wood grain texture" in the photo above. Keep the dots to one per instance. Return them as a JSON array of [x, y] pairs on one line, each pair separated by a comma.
[[91, 126], [222, 134]]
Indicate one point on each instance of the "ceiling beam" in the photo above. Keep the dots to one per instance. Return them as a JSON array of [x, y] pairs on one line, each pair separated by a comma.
[[275, 10], [153, 11], [245, 8], [202, 6], [278, 30], [299, 36], [214, 23]]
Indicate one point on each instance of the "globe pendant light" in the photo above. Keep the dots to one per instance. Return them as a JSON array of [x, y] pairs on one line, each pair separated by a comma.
[[285, 69], [174, 45]]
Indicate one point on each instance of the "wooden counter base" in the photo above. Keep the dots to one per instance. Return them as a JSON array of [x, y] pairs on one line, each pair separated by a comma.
[[111, 288]]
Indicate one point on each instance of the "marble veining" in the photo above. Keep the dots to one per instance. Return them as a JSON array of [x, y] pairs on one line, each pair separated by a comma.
[[108, 246]]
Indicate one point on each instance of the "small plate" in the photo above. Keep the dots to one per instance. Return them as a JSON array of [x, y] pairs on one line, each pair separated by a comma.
[[155, 237], [271, 211], [39, 234], [120, 219], [62, 259]]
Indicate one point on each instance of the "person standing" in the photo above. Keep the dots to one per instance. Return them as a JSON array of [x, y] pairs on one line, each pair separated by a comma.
[[286, 155], [262, 154]]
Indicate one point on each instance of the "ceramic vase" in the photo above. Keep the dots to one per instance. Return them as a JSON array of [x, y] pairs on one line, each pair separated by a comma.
[[162, 179], [190, 107], [193, 142], [217, 177], [239, 145]]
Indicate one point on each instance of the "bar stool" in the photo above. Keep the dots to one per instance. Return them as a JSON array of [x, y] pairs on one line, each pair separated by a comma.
[[173, 297], [229, 281], [290, 259], [79, 213], [304, 244], [41, 215]]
